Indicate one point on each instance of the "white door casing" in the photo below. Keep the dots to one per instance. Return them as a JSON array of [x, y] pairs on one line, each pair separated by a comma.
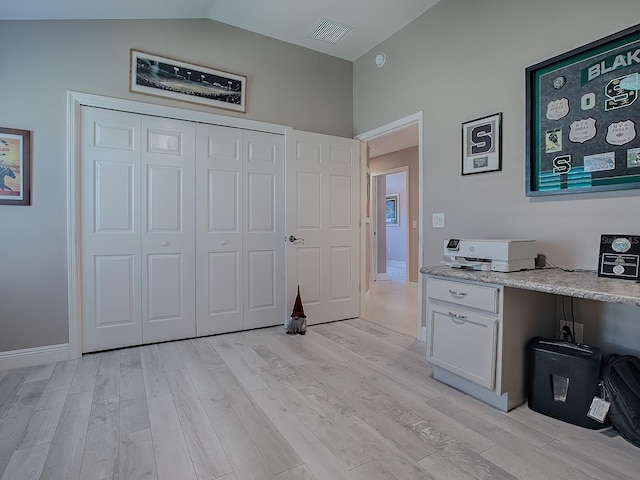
[[323, 214], [137, 229]]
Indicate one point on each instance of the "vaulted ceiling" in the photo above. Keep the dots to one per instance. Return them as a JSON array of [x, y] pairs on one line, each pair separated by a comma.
[[363, 23]]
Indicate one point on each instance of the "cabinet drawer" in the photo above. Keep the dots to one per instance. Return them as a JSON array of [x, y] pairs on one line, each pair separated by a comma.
[[464, 294], [464, 343]]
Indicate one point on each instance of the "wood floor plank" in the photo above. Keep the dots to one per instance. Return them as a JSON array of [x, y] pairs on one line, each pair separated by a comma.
[[84, 379], [41, 372], [61, 377], [200, 375], [269, 440], [9, 384], [533, 464], [136, 457], [338, 441], [442, 468], [131, 376], [239, 446], [297, 473], [246, 377], [155, 379], [373, 470], [490, 423], [169, 445], [26, 463], [108, 379], [207, 455], [170, 357], [64, 459], [101, 450], [42, 425], [313, 453], [594, 457], [16, 419], [409, 442]]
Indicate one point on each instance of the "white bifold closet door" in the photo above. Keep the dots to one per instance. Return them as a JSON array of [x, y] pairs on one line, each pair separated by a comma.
[[239, 229], [137, 232]]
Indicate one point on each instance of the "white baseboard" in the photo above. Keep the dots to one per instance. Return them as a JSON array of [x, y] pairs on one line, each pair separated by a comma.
[[29, 357], [423, 334], [381, 276]]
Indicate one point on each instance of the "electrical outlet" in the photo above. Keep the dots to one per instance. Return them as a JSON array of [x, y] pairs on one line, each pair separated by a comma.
[[571, 325], [437, 220]]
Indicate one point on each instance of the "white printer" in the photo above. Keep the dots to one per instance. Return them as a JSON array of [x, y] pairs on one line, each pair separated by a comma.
[[490, 255]]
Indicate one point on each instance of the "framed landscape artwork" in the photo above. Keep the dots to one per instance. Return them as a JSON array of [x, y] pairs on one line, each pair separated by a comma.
[[15, 164]]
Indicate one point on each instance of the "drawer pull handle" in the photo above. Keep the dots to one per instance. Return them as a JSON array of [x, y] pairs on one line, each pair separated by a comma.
[[459, 318], [458, 294]]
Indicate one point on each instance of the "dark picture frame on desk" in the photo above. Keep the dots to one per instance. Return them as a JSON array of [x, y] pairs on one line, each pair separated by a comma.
[[582, 111]]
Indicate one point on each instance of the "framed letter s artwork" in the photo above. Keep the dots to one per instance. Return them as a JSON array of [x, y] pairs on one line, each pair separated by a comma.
[[481, 145]]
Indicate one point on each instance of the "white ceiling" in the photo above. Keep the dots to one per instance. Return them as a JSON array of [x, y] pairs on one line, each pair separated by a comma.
[[289, 20]]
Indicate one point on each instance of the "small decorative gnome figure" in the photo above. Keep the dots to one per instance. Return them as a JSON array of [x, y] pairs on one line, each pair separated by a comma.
[[298, 323]]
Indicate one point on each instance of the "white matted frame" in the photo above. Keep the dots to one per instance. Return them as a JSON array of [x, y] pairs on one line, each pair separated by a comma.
[[165, 77], [392, 209], [482, 145]]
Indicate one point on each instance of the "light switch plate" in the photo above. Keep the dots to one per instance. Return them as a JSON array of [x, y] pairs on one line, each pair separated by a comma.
[[437, 220]]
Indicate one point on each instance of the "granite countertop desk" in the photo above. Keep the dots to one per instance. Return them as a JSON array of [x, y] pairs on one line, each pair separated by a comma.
[[579, 284]]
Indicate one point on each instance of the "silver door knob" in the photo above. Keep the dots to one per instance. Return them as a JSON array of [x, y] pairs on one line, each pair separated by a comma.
[[293, 239]]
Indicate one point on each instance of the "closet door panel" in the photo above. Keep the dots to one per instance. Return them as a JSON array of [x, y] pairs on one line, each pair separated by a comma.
[[110, 232], [168, 238], [263, 223], [219, 243]]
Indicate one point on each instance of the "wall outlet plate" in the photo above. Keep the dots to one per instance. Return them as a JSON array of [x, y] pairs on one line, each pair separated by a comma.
[[578, 330]]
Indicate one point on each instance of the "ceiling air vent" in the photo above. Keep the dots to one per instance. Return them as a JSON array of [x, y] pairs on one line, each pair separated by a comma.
[[328, 31]]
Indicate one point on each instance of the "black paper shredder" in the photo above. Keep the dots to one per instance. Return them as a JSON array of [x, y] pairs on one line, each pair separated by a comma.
[[562, 379]]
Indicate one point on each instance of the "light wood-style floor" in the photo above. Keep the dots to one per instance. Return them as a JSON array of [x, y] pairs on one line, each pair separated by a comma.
[[393, 303], [349, 400]]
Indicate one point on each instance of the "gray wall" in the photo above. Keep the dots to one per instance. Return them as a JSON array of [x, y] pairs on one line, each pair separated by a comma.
[[397, 235], [41, 61], [465, 59]]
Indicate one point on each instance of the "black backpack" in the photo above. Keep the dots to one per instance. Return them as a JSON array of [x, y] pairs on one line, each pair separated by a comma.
[[621, 380]]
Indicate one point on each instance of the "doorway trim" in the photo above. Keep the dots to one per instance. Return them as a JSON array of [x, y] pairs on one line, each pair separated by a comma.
[[416, 118], [75, 101]]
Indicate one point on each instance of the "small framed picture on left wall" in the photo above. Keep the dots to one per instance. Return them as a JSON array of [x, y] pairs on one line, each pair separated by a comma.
[[15, 163]]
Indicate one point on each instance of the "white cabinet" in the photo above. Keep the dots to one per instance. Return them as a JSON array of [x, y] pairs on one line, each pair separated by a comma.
[[476, 336]]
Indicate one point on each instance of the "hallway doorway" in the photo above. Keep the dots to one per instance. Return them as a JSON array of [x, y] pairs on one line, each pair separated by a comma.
[[393, 295]]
